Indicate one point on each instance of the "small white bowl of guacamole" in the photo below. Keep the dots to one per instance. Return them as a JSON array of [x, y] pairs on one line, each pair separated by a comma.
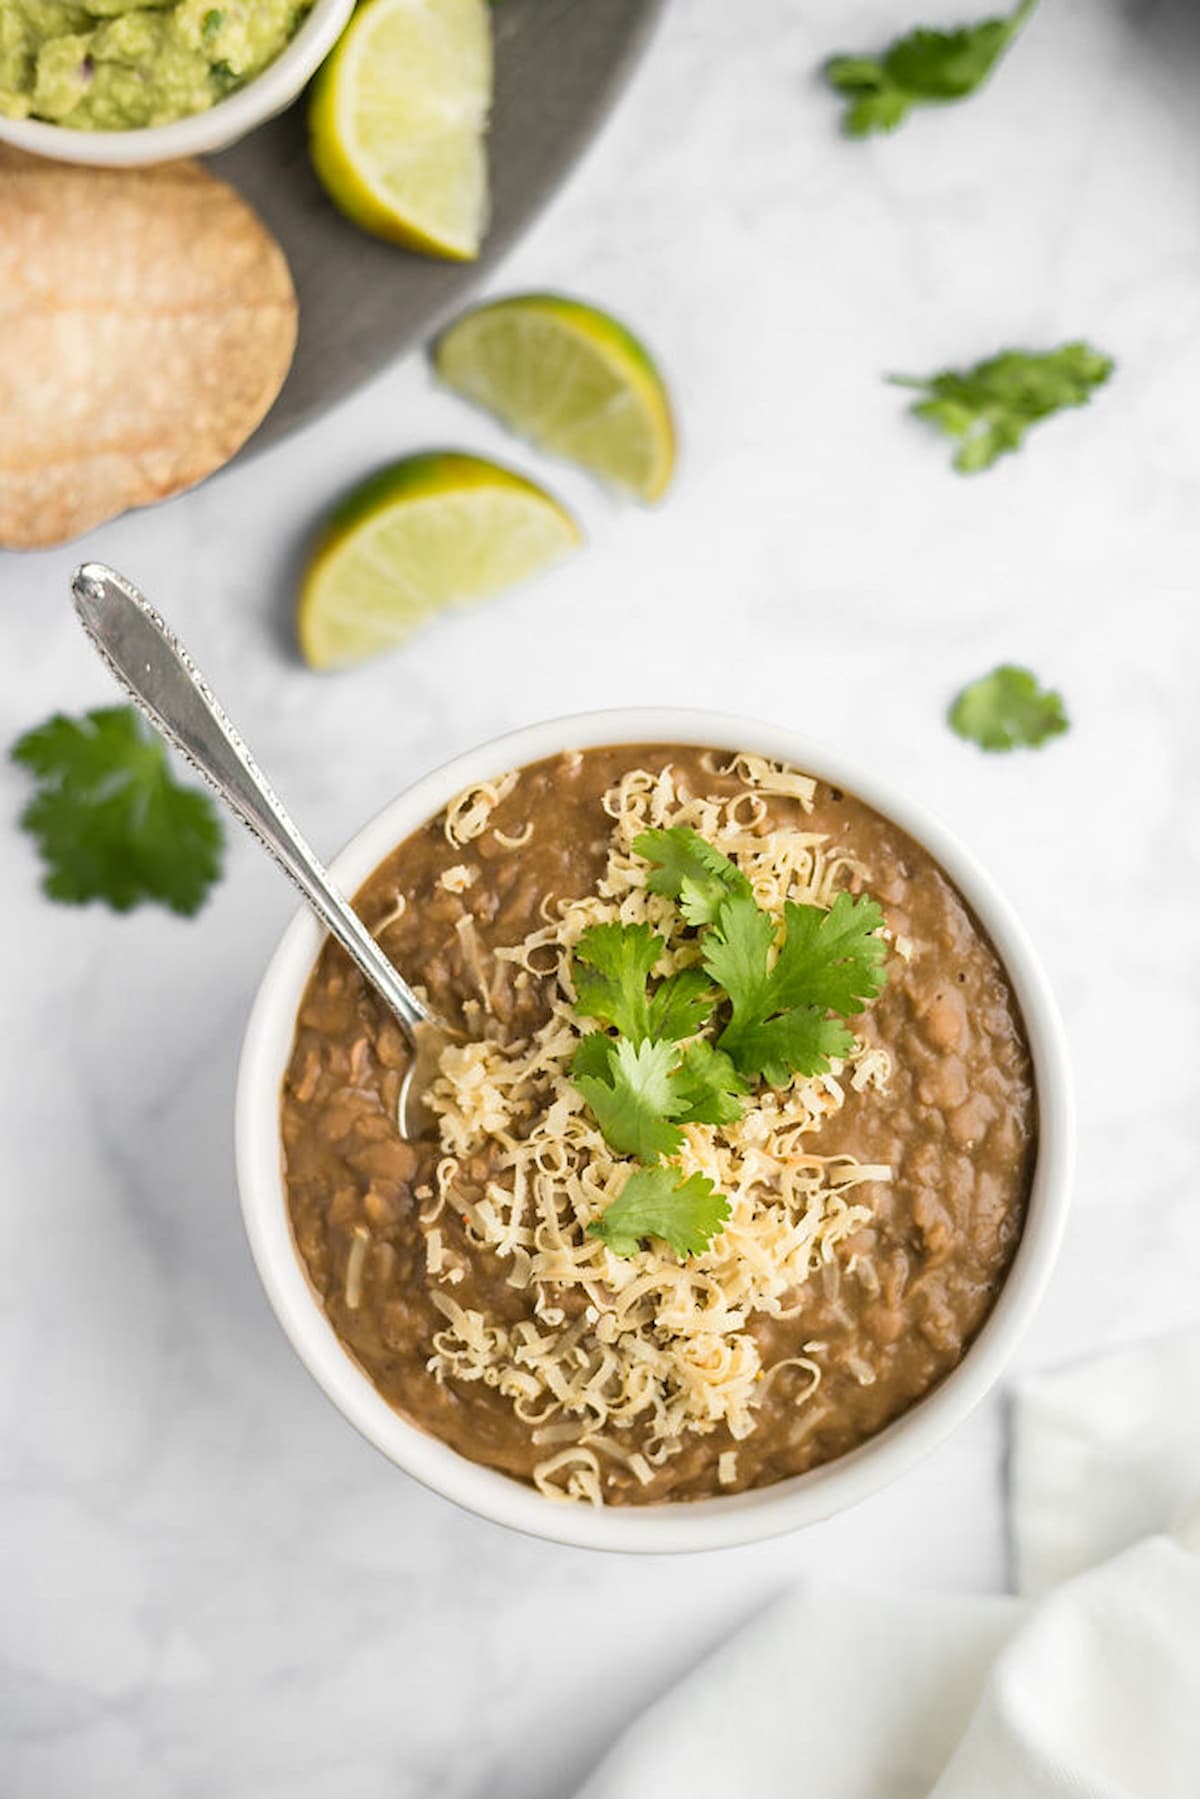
[[120, 82]]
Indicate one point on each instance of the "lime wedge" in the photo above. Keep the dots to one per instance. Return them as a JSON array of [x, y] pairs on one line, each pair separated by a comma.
[[397, 122], [571, 380], [427, 533]]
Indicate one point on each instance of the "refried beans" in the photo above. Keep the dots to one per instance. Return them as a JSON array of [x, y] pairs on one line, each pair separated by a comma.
[[516, 1338]]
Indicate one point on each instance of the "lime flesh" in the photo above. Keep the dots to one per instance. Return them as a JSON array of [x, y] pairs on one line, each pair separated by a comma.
[[570, 379], [398, 121], [425, 534]]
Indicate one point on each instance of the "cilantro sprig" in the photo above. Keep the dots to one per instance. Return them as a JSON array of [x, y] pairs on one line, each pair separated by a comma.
[[687, 868], [1008, 709], [644, 1084], [782, 1020], [613, 963], [642, 1094], [925, 68], [829, 961], [780, 1002], [655, 1202], [109, 818], [991, 406]]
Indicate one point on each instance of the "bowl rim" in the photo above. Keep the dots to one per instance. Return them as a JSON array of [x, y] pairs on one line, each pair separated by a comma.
[[718, 1522], [199, 133]]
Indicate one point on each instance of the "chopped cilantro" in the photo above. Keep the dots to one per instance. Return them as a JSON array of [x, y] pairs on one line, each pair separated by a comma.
[[655, 1202], [211, 23], [991, 406], [926, 68], [109, 818], [1008, 708]]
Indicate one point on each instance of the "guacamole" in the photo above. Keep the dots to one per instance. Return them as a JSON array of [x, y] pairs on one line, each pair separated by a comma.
[[112, 65]]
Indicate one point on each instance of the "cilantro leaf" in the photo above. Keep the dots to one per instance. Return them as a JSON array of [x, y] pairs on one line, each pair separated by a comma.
[[643, 1086], [925, 68], [682, 1005], [611, 968], [654, 1202], [802, 1041], [1008, 708], [833, 958], [737, 952], [109, 818], [708, 1086], [991, 406], [779, 1024], [629, 1088], [690, 870], [612, 965], [641, 1094]]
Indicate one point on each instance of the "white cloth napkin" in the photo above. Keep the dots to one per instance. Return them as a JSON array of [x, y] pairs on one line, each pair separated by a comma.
[[1088, 1689], [1104, 1452]]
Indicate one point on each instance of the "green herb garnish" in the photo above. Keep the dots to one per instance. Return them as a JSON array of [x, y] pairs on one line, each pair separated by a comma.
[[109, 818], [687, 869], [612, 970], [926, 68], [781, 1005], [211, 23], [1007, 709], [655, 1202], [629, 1088], [642, 1084], [990, 407], [829, 962], [642, 1094]]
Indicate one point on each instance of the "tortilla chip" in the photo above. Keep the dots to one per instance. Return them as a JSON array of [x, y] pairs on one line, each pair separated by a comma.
[[147, 322]]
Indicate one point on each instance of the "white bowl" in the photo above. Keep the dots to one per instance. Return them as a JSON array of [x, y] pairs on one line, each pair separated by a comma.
[[699, 1524], [261, 98]]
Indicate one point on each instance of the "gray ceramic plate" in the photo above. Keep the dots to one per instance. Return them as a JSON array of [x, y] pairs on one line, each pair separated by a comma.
[[559, 66]]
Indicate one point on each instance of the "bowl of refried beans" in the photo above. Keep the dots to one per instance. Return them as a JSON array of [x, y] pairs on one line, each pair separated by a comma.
[[748, 1155]]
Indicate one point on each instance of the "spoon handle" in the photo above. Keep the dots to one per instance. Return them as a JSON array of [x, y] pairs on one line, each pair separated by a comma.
[[156, 671]]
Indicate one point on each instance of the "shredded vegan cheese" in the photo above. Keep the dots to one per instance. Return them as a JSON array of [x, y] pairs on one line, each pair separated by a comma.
[[355, 1262], [399, 906], [467, 816], [629, 1358], [458, 878]]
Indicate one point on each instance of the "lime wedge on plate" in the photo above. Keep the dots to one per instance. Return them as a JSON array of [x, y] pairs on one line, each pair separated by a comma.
[[571, 380], [397, 123], [429, 532]]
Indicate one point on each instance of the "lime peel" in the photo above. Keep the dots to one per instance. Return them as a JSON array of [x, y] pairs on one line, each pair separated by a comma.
[[398, 121], [428, 533]]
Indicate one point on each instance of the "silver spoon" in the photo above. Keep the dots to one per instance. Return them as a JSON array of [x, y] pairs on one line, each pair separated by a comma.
[[160, 677]]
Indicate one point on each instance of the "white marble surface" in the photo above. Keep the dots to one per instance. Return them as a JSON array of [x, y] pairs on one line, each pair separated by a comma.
[[208, 1584]]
